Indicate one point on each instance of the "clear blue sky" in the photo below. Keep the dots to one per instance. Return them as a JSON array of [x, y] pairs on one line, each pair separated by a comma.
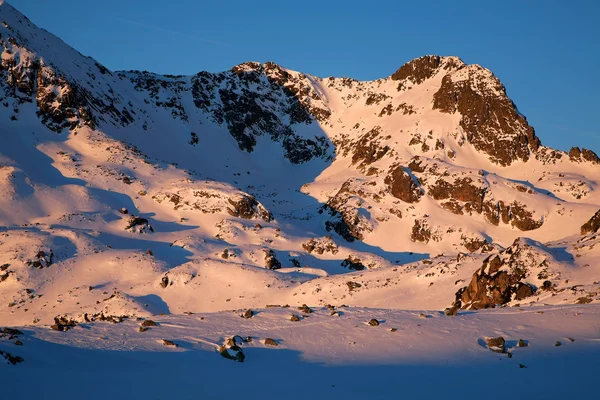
[[547, 53]]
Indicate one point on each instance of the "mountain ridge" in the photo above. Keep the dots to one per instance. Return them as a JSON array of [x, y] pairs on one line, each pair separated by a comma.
[[290, 180]]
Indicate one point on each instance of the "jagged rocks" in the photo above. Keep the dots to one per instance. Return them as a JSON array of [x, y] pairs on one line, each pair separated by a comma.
[[353, 262], [232, 352], [423, 68], [63, 323], [321, 245], [347, 224], [580, 155], [522, 343], [402, 185], [422, 232], [11, 359], [247, 207], [113, 319], [138, 224], [305, 309], [463, 190], [474, 244], [271, 261], [367, 149], [353, 285], [496, 345], [497, 282], [592, 225], [41, 260], [489, 118]]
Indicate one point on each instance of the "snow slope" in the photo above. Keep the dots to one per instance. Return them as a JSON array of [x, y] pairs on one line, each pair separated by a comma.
[[129, 195]]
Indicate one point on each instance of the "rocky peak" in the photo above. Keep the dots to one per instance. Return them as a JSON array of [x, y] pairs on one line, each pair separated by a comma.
[[490, 120], [420, 69]]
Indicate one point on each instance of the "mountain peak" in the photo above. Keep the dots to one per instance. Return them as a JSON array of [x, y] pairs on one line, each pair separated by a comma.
[[422, 68]]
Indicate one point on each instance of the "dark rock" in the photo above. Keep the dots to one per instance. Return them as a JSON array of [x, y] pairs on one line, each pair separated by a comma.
[[353, 262], [11, 331], [451, 311], [166, 342], [148, 323], [271, 261], [353, 285], [373, 322], [558, 343], [294, 318], [271, 342], [247, 207], [164, 282], [489, 118], [11, 359], [521, 343], [592, 225], [580, 155], [234, 353], [138, 224], [63, 323], [402, 185], [305, 309], [417, 70], [583, 300], [321, 245], [493, 285], [496, 344], [248, 314]]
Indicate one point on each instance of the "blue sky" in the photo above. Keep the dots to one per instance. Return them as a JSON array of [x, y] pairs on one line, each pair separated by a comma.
[[547, 53]]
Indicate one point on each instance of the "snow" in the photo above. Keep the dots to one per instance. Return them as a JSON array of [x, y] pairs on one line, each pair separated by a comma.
[[201, 266]]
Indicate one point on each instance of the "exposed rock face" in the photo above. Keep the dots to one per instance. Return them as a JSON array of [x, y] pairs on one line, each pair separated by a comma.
[[247, 207], [63, 323], [580, 155], [271, 261], [367, 149], [474, 244], [422, 232], [591, 226], [402, 185], [463, 190], [423, 68], [499, 280], [490, 119], [321, 245], [354, 263], [232, 99]]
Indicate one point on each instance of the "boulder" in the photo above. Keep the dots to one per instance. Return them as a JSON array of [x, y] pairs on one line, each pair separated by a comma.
[[496, 344]]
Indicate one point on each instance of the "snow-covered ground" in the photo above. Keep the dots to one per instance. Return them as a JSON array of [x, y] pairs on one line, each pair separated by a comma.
[[320, 356], [127, 196]]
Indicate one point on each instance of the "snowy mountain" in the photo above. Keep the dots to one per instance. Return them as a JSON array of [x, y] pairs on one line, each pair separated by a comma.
[[127, 194]]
